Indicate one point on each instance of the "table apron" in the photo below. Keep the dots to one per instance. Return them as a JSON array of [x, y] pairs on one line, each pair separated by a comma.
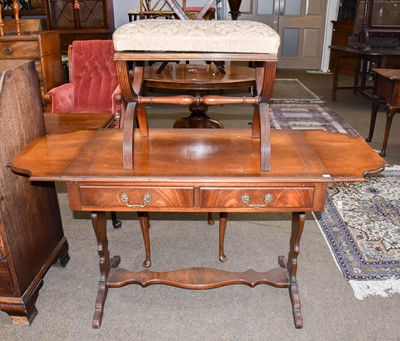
[[292, 197]]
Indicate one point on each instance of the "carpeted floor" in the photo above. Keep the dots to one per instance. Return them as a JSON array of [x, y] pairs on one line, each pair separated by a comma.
[[288, 90]]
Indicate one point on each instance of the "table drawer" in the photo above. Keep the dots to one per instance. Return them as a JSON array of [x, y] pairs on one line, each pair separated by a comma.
[[259, 198], [135, 197], [19, 50]]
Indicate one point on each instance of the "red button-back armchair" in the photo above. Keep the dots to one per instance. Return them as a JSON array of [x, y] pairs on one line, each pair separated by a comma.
[[93, 84]]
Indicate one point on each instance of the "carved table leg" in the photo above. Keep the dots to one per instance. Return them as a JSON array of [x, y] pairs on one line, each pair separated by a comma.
[[223, 220], [99, 225], [375, 106], [298, 220], [390, 112], [145, 225]]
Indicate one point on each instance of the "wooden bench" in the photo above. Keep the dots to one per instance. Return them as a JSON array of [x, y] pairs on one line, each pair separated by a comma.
[[215, 41]]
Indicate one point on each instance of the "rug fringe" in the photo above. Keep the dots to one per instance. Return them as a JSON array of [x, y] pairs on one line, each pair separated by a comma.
[[383, 288]]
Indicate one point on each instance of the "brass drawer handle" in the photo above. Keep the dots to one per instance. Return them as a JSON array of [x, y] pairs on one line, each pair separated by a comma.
[[246, 199], [146, 200], [8, 50]]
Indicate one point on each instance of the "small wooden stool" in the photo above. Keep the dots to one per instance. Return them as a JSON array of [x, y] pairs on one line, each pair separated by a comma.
[[215, 41]]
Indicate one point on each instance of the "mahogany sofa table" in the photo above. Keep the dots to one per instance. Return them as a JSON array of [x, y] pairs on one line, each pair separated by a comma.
[[210, 171]]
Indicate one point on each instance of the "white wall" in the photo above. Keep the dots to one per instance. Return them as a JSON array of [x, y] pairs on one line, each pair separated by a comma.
[[332, 10]]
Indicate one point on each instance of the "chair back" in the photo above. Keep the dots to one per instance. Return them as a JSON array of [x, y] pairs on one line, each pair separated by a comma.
[[94, 75]]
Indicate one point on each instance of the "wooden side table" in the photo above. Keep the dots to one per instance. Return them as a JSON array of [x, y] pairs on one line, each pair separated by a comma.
[[387, 88], [383, 58]]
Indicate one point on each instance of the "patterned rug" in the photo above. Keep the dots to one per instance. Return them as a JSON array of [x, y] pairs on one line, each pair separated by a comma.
[[308, 116], [361, 221], [361, 224]]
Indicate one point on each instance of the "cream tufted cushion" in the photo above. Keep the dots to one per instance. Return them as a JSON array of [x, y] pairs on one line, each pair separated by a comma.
[[224, 36]]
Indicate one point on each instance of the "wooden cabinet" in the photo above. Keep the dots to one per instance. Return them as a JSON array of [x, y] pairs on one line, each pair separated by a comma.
[[80, 19], [31, 233], [44, 49], [342, 31], [27, 8]]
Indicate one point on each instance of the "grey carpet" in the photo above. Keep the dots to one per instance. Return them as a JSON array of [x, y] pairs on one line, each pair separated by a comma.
[[292, 91]]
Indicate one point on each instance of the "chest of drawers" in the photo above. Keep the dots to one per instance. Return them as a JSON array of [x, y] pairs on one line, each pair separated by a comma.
[[31, 233], [41, 47]]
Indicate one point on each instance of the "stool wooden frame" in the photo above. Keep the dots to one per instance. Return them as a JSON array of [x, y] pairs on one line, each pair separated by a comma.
[[132, 92]]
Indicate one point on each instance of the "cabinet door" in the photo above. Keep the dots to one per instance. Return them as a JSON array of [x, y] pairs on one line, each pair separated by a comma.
[[75, 14]]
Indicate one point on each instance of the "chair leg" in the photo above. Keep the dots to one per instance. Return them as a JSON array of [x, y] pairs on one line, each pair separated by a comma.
[[116, 223]]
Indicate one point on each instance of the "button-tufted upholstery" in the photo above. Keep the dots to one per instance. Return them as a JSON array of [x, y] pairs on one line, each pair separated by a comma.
[[93, 80], [223, 36]]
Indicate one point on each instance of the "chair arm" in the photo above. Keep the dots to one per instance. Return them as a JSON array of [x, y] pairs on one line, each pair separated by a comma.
[[61, 98], [118, 107]]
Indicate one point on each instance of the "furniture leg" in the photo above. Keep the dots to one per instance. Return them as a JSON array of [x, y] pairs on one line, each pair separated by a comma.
[[223, 221], [145, 225], [116, 223], [336, 57], [375, 106], [359, 71], [265, 76], [99, 223], [63, 256], [390, 113], [298, 220], [210, 219], [23, 313]]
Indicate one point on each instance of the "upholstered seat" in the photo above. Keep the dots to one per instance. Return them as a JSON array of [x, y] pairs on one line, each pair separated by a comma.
[[197, 36]]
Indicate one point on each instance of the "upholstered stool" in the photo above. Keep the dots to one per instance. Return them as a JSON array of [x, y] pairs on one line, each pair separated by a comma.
[[200, 40]]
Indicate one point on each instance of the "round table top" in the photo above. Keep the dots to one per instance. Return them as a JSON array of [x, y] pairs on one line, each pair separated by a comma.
[[199, 77]]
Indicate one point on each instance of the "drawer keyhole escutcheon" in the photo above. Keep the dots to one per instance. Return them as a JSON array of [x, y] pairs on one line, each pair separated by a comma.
[[246, 199], [8, 50], [146, 200]]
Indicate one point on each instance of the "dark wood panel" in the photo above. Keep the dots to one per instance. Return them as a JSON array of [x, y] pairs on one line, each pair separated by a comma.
[[31, 231]]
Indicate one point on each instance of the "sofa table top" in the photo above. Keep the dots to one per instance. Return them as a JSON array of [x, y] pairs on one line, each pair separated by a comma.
[[202, 155]]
